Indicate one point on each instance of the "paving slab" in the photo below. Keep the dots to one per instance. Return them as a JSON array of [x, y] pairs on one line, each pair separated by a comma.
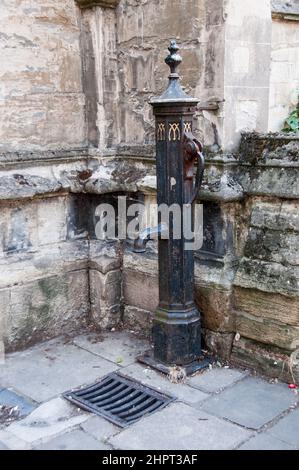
[[12, 399], [214, 380], [100, 428], [251, 402], [287, 429], [179, 426], [46, 371], [160, 382], [118, 346], [12, 442], [74, 440], [49, 419], [265, 442]]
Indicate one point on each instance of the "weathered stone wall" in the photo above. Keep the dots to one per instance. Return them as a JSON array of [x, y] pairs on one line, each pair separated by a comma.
[[284, 77], [266, 292], [144, 30], [43, 264], [55, 275], [247, 69], [227, 50], [44, 285], [100, 75], [41, 99], [44, 278], [123, 60]]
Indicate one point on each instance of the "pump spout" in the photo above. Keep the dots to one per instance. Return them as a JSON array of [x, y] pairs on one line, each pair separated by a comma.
[[147, 234]]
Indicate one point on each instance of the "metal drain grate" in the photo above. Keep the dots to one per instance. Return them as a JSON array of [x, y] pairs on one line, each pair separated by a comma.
[[121, 400]]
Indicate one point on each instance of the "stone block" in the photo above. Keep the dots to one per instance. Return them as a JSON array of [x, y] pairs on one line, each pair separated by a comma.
[[162, 19], [248, 106], [138, 68], [105, 297], [49, 419], [219, 344], [273, 245], [265, 441], [46, 308], [267, 331], [73, 440], [140, 289], [280, 215], [104, 254], [117, 346], [268, 277], [215, 380], [287, 429], [54, 374], [99, 428], [138, 320], [19, 227], [53, 260], [251, 402], [180, 427], [262, 304], [248, 63], [284, 72], [105, 263], [216, 308], [143, 263], [35, 98], [242, 24], [51, 220], [271, 181], [271, 362], [24, 120]]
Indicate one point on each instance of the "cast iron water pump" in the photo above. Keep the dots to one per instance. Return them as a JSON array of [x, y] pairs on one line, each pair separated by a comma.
[[176, 330]]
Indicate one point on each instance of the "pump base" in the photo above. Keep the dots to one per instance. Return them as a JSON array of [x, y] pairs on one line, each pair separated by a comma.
[[202, 363]]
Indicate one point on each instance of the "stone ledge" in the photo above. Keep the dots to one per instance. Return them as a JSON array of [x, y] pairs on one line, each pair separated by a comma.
[[285, 10], [42, 155], [99, 3], [276, 149], [127, 168]]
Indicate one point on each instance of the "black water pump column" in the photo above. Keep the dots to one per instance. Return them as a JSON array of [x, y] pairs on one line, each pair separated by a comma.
[[176, 330]]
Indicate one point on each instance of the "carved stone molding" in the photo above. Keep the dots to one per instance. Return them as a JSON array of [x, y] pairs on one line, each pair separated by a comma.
[[100, 3]]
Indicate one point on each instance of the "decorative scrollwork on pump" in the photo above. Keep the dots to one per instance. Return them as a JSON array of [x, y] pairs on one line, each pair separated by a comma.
[[174, 132], [161, 131], [187, 127]]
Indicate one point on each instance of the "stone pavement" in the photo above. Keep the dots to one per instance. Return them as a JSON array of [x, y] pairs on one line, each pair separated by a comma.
[[221, 408]]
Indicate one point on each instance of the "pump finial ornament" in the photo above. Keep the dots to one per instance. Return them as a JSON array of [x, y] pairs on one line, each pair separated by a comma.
[[173, 93], [173, 60]]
